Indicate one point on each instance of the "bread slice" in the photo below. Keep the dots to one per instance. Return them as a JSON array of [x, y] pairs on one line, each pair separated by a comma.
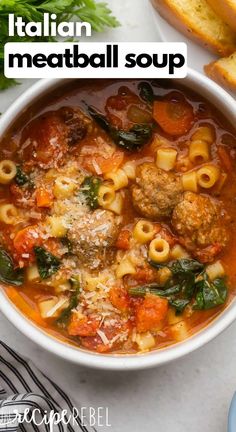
[[223, 71], [198, 21], [226, 9]]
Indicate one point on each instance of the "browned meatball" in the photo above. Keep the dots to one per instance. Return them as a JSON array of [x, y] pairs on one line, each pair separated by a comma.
[[93, 236], [156, 192], [200, 219]]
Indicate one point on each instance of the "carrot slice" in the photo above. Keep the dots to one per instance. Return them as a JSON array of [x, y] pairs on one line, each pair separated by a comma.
[[21, 303], [174, 117], [44, 198]]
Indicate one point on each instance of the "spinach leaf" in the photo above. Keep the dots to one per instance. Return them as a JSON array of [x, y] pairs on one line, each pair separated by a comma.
[[64, 317], [210, 293], [146, 92], [189, 280], [133, 139], [90, 187], [47, 263], [8, 274], [22, 178], [180, 266], [141, 291], [130, 140], [179, 305]]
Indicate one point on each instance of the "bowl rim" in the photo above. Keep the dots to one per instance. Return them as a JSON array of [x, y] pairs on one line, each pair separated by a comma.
[[117, 361]]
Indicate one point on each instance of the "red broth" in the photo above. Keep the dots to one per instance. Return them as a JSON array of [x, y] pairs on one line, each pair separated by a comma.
[[115, 241]]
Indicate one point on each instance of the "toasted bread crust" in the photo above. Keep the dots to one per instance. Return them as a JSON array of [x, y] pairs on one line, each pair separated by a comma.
[[221, 74], [226, 9], [170, 11]]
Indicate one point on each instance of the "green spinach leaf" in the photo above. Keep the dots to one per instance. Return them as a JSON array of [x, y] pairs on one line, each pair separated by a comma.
[[210, 293], [8, 274], [89, 188], [146, 92], [130, 140], [22, 178], [47, 263], [141, 291], [64, 317]]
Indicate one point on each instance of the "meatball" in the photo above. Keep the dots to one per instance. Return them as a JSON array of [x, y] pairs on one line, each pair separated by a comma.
[[200, 219], [93, 237], [156, 192]]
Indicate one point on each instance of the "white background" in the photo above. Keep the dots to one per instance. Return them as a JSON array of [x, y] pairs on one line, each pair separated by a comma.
[[192, 394]]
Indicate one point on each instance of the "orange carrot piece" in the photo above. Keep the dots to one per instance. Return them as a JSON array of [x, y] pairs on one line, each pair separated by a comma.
[[175, 118], [24, 307], [44, 198]]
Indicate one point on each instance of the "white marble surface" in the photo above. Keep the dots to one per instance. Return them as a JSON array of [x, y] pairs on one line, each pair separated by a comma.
[[191, 394]]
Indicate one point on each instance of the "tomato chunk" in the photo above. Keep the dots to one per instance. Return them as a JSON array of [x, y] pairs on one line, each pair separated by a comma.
[[119, 298], [123, 240], [83, 326], [25, 239], [150, 312]]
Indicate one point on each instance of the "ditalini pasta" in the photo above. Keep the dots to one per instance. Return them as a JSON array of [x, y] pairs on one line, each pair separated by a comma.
[[166, 158], [8, 213], [207, 176], [159, 250], [116, 202], [144, 231], [7, 171], [199, 151]]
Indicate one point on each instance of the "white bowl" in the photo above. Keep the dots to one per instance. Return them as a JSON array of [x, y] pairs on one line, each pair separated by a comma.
[[224, 103]]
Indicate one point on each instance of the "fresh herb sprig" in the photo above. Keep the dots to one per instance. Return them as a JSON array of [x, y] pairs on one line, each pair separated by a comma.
[[96, 13]]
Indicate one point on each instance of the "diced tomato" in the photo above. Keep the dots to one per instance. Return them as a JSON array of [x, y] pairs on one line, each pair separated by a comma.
[[225, 158], [119, 298], [25, 240], [44, 197], [95, 343], [174, 115], [97, 164], [150, 312], [43, 141], [82, 326], [123, 240], [23, 197]]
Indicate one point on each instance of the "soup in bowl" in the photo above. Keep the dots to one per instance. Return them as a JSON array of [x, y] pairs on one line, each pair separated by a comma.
[[117, 217]]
